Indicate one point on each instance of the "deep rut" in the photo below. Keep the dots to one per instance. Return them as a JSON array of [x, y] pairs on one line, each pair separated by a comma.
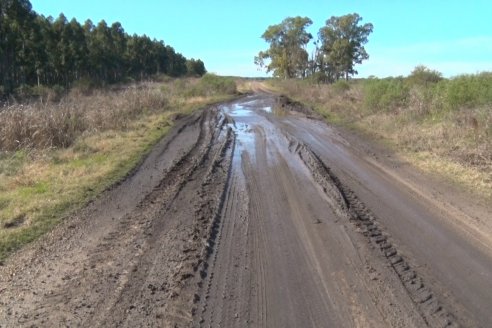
[[348, 206], [145, 271]]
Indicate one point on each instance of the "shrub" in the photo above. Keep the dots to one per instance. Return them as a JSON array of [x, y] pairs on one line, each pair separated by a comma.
[[467, 91], [23, 91], [211, 84], [422, 75], [84, 86], [341, 86], [385, 94]]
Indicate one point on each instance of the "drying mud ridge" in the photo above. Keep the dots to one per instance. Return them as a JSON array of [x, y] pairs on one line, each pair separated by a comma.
[[255, 213]]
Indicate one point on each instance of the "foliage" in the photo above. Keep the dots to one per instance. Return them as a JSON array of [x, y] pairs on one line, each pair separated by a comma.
[[341, 86], [342, 42], [426, 90], [340, 46], [195, 68], [467, 91], [287, 54], [422, 75], [385, 94], [38, 50], [211, 84]]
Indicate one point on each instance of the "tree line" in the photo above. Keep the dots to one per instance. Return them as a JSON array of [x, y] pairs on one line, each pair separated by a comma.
[[38, 50], [339, 47]]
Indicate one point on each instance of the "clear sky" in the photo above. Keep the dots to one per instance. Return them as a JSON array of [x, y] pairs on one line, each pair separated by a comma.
[[451, 36]]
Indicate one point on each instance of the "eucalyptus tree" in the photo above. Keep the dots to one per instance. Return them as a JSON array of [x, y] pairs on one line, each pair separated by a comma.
[[342, 42], [37, 50], [195, 67], [287, 56]]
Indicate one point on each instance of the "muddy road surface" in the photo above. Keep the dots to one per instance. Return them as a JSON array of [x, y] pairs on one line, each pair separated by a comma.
[[256, 214]]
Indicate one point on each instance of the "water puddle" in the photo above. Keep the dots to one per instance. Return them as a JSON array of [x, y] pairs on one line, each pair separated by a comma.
[[237, 110], [245, 117], [252, 120]]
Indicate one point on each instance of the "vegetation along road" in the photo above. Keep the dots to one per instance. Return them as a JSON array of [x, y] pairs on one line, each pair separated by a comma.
[[255, 213]]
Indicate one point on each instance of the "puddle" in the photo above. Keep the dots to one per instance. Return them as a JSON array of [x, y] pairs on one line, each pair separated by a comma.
[[245, 119], [239, 111]]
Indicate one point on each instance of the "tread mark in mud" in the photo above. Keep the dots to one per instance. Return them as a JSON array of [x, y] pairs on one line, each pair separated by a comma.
[[345, 203]]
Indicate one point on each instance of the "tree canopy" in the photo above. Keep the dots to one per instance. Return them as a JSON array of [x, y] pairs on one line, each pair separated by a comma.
[[342, 42], [38, 50], [287, 53], [340, 46]]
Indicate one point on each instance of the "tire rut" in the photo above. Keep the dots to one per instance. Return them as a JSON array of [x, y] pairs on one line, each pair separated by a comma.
[[147, 270], [346, 204], [240, 227]]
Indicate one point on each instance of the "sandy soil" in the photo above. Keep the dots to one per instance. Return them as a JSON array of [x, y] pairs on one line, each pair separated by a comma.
[[256, 214]]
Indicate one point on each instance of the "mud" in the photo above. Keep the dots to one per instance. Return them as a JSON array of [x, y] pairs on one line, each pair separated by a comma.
[[256, 214]]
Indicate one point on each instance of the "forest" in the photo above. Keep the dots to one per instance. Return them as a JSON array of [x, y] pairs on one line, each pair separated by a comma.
[[43, 51]]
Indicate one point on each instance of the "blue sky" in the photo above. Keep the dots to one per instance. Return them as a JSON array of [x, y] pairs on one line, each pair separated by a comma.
[[451, 36]]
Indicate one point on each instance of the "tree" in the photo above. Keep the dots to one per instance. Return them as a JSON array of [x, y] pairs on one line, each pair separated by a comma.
[[195, 67], [16, 23], [342, 45], [287, 54], [36, 50]]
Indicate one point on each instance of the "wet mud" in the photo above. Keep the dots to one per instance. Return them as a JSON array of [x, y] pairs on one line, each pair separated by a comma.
[[250, 214]]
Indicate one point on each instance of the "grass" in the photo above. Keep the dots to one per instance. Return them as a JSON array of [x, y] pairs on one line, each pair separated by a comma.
[[442, 126], [43, 181]]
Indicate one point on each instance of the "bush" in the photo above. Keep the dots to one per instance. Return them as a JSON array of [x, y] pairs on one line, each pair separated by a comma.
[[422, 75], [385, 94], [84, 86], [23, 91], [467, 91], [341, 86], [211, 84]]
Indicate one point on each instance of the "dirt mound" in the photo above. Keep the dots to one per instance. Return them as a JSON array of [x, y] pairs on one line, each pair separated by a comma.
[[284, 103]]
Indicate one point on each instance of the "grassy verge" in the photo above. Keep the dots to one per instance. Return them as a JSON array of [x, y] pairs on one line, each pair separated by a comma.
[[56, 157], [442, 126]]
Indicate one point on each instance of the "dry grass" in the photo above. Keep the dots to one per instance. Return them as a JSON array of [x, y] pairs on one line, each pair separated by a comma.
[[453, 142], [46, 125], [58, 156]]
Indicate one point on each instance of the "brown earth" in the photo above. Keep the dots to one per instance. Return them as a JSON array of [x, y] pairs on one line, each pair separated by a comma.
[[256, 214]]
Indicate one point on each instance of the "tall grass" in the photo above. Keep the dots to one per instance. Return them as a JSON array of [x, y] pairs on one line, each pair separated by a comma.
[[42, 125], [53, 123]]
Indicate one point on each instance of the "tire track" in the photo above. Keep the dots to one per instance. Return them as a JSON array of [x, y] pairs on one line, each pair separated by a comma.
[[146, 271], [347, 205]]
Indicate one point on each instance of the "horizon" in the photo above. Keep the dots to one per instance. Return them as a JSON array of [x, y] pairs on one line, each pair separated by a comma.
[[446, 36]]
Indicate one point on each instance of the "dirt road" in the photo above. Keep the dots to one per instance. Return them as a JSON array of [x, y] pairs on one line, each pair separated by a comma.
[[256, 214]]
